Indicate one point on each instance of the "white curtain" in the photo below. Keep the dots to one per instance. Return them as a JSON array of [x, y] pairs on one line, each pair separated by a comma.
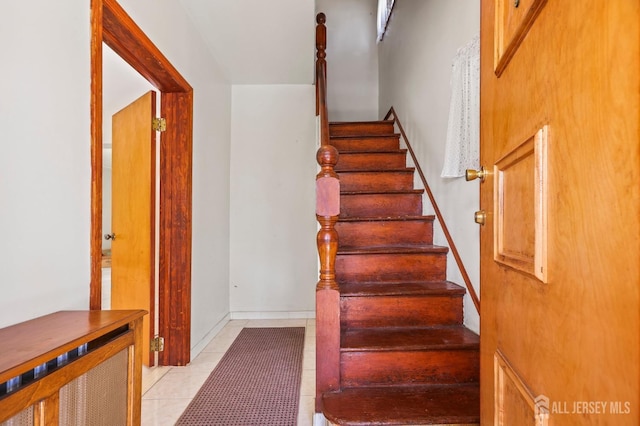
[[384, 12], [463, 132]]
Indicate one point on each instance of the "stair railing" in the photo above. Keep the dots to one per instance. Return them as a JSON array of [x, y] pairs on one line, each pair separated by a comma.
[[327, 213], [452, 246]]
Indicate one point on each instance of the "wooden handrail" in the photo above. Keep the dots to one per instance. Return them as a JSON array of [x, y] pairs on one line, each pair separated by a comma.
[[452, 246], [327, 213]]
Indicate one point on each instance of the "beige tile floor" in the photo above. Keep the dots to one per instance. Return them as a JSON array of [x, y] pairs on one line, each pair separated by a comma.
[[168, 390]]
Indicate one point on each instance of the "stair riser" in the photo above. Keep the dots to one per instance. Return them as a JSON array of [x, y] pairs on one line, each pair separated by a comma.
[[380, 233], [409, 367], [380, 205], [391, 267], [400, 311], [371, 161], [360, 129], [376, 181], [364, 144]]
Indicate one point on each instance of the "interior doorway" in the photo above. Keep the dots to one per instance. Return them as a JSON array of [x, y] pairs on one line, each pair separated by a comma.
[[121, 85], [111, 24]]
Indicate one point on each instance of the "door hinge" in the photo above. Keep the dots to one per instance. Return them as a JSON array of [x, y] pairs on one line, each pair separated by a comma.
[[159, 124], [157, 344]]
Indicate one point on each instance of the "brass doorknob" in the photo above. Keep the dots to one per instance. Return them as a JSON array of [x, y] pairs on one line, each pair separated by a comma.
[[479, 217], [110, 236], [471, 174]]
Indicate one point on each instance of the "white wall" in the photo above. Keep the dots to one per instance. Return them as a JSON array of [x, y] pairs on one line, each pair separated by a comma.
[[169, 27], [273, 227], [258, 41], [352, 59], [45, 161], [415, 60]]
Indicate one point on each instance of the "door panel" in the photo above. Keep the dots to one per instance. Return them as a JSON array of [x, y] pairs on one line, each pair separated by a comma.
[[520, 206], [560, 250], [514, 403], [133, 213]]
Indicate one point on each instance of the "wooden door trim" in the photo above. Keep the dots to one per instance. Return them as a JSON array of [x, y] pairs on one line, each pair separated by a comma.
[[112, 25]]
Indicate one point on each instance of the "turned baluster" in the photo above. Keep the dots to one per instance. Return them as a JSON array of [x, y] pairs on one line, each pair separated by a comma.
[[321, 63]]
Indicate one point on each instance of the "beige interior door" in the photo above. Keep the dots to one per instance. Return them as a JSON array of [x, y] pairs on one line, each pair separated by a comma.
[[133, 213], [560, 246]]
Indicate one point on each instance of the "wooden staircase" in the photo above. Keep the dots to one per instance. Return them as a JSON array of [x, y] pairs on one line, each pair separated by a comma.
[[405, 356]]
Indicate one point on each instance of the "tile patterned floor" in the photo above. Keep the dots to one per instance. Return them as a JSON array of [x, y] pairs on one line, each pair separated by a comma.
[[168, 390]]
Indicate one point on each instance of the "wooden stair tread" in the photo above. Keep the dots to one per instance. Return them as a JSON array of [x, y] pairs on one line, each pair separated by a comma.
[[376, 136], [400, 288], [398, 170], [409, 339], [385, 151], [360, 128], [376, 178], [350, 123], [404, 405], [380, 141], [393, 249], [428, 218], [390, 191]]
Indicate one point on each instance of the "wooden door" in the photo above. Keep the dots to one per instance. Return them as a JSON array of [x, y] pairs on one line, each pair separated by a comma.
[[133, 213], [560, 248]]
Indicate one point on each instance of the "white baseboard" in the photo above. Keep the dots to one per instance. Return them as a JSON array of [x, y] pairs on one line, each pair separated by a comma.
[[248, 315], [320, 420], [195, 351]]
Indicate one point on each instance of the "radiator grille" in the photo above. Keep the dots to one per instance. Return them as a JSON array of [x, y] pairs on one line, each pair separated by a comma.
[[23, 418], [98, 397]]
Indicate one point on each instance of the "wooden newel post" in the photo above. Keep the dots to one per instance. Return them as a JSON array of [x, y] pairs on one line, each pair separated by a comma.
[[327, 291], [327, 213]]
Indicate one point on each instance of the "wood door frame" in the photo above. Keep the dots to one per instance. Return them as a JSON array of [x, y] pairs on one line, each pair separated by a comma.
[[113, 26]]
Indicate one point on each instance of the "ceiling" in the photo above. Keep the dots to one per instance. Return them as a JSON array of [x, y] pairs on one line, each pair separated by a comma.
[[258, 41], [254, 42]]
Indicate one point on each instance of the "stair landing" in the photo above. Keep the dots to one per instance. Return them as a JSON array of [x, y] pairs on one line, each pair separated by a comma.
[[426, 405]]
